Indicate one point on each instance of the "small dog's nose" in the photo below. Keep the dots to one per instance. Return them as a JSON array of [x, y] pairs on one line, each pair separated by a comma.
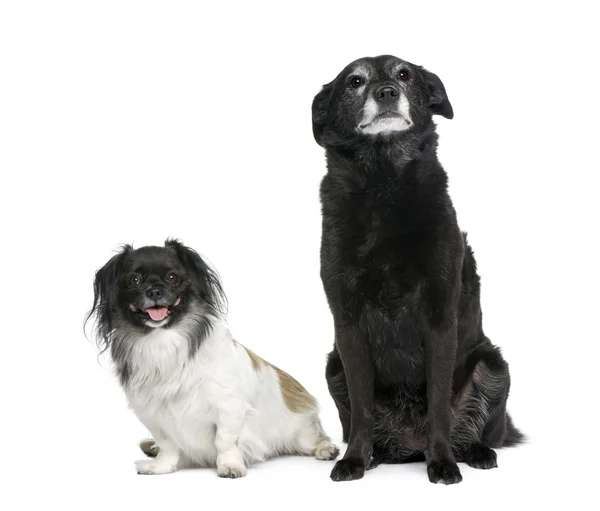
[[154, 294], [386, 93]]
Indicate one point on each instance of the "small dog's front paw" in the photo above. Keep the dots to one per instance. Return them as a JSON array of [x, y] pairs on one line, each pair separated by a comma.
[[231, 470], [479, 456], [348, 469], [445, 472], [155, 467], [326, 451]]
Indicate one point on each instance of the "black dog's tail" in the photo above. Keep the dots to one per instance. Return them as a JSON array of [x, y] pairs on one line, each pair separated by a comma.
[[512, 436]]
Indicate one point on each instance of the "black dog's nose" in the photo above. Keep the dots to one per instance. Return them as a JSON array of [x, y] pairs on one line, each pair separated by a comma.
[[386, 93], [154, 293]]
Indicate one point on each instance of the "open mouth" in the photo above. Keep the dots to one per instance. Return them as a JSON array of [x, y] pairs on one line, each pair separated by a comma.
[[156, 313]]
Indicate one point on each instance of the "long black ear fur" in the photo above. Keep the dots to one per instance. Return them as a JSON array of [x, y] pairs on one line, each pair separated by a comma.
[[211, 290], [105, 295], [320, 106], [439, 104]]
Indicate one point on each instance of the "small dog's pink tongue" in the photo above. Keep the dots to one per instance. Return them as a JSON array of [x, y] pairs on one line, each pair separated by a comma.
[[158, 313]]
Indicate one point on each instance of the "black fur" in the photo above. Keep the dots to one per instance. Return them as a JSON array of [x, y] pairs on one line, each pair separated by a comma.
[[196, 295], [412, 373]]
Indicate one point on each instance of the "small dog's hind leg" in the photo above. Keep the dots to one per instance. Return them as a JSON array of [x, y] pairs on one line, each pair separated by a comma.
[[325, 450], [312, 441], [149, 447], [165, 461]]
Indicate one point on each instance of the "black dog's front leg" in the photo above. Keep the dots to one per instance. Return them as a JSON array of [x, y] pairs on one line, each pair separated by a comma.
[[355, 354], [440, 349]]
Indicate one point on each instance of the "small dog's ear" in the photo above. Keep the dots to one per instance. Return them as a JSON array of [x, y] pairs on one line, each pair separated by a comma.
[[320, 107], [105, 294], [439, 104], [211, 289]]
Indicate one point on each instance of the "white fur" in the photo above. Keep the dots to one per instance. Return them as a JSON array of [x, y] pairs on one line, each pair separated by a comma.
[[156, 324], [369, 125], [213, 408]]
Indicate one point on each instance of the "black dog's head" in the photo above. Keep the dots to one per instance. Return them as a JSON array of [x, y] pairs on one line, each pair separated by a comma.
[[383, 97], [153, 287]]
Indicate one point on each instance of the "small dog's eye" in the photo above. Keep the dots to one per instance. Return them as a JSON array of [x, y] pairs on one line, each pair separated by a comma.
[[134, 280], [172, 278], [403, 75], [356, 81]]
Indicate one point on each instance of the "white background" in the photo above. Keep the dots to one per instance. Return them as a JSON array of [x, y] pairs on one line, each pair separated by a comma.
[[133, 121]]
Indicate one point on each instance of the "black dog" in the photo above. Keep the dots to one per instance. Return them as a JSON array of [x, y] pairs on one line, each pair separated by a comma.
[[412, 373]]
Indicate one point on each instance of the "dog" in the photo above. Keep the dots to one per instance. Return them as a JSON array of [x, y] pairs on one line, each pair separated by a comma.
[[206, 399], [412, 374]]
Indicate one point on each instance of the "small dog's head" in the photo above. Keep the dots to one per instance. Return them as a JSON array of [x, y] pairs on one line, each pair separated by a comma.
[[154, 287], [383, 97]]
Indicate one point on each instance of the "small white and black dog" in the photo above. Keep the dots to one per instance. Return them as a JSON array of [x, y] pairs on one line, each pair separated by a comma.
[[206, 399]]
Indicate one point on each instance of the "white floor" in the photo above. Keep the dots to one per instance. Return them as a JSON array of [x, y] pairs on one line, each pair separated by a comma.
[[92, 468], [106, 479]]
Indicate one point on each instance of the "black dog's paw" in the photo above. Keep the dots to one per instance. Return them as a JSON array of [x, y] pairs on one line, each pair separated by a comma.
[[445, 472], [348, 469], [479, 456]]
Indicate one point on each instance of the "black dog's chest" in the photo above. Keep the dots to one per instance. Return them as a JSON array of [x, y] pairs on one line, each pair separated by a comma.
[[375, 249], [376, 257]]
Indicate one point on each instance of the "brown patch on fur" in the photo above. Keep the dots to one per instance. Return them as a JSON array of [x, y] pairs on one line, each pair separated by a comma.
[[296, 397], [257, 362]]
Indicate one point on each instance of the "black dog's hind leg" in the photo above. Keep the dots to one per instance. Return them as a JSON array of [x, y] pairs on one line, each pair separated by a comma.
[[481, 422]]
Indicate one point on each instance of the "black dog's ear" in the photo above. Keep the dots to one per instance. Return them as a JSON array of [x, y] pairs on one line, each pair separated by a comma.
[[105, 295], [320, 106], [211, 290], [439, 104]]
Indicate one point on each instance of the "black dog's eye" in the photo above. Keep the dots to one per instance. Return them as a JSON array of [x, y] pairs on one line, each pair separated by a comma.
[[134, 280], [403, 75], [172, 278], [356, 81]]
